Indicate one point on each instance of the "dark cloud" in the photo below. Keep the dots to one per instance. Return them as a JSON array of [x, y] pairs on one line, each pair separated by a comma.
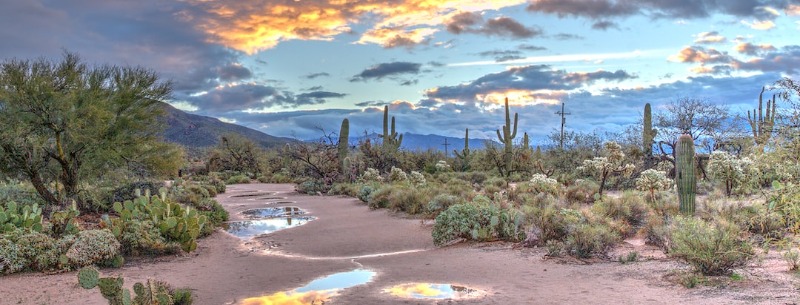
[[604, 25], [436, 64], [528, 78], [566, 36], [315, 97], [315, 88], [785, 60], [234, 72], [387, 69], [600, 9], [529, 47], [502, 55], [468, 22], [228, 99], [315, 75], [371, 104], [409, 82], [768, 59]]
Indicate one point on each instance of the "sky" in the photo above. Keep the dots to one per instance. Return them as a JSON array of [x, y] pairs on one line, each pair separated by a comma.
[[296, 68]]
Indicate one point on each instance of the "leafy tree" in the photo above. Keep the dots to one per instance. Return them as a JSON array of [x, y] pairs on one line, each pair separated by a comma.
[[235, 153], [732, 171], [62, 123]]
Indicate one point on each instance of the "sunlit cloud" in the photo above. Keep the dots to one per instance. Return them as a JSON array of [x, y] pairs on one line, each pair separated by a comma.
[[252, 26], [709, 37], [752, 49], [792, 10], [761, 25]]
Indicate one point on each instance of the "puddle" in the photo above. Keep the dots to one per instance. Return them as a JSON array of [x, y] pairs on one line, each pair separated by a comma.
[[318, 291], [251, 228], [273, 212], [253, 195], [433, 291]]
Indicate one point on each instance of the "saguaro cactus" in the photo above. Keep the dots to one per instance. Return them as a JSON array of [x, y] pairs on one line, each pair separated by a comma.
[[685, 177], [391, 141], [464, 154], [344, 142], [507, 138], [648, 133], [761, 124]]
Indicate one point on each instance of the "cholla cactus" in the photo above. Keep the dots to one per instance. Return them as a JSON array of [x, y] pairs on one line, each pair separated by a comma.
[[417, 178], [612, 163], [397, 175], [542, 184], [371, 175], [733, 171], [653, 180], [442, 166]]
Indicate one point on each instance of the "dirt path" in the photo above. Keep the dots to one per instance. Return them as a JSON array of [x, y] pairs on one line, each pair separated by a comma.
[[346, 235]]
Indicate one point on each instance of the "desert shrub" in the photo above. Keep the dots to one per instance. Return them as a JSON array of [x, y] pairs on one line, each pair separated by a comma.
[[712, 248], [409, 199], [182, 296], [541, 184], [379, 199], [656, 231], [11, 258], [442, 166], [552, 222], [370, 175], [441, 202], [586, 240], [652, 181], [364, 192], [473, 177], [629, 208], [197, 190], [495, 183], [731, 171], [582, 191], [477, 221], [312, 187], [23, 194], [40, 250], [457, 187], [347, 189], [238, 179], [128, 191], [417, 179], [397, 175], [142, 237], [92, 247]]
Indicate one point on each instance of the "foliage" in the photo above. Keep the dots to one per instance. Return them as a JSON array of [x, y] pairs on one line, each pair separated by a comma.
[[652, 181], [582, 191], [238, 179], [586, 240], [397, 175], [43, 132], [732, 171], [14, 217], [370, 175], [712, 248], [235, 153], [476, 221], [542, 184], [612, 163], [151, 292], [92, 247], [417, 179]]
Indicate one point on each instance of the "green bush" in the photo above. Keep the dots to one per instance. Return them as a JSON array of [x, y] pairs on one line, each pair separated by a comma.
[[480, 222], [379, 199], [312, 187], [712, 248], [128, 191], [552, 221], [92, 247], [582, 191], [441, 202], [11, 259], [364, 192], [409, 199], [142, 237], [238, 179], [587, 240], [346, 189], [630, 209]]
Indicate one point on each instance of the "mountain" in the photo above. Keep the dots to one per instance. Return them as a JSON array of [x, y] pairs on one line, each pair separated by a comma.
[[197, 131], [418, 142]]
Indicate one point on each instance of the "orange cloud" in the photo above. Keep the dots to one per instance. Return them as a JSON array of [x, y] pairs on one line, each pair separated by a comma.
[[792, 10], [762, 25], [292, 298], [699, 55], [252, 26]]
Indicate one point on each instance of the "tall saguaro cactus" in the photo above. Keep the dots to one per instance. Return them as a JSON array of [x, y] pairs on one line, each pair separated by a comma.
[[685, 177], [507, 138], [761, 124], [391, 141], [344, 142], [648, 133], [526, 144], [464, 154]]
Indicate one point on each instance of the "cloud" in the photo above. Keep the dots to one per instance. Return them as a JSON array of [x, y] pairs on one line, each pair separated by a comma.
[[786, 60], [695, 54], [709, 38], [227, 99], [792, 10], [316, 75], [234, 72], [567, 36], [529, 47], [387, 69], [605, 25], [469, 22], [560, 58], [253, 26], [502, 55], [762, 25], [677, 9], [752, 49], [535, 81]]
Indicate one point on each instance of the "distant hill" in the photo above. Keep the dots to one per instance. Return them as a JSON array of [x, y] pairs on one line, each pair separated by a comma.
[[418, 142], [197, 131]]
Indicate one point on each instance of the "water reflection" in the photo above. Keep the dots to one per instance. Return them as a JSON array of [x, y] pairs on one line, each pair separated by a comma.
[[318, 291], [273, 212], [253, 195], [433, 291], [251, 228]]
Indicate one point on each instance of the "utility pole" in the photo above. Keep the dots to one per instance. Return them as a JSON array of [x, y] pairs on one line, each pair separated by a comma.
[[446, 152], [563, 121]]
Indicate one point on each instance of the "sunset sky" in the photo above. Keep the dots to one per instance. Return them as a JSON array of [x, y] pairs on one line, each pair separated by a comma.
[[290, 67]]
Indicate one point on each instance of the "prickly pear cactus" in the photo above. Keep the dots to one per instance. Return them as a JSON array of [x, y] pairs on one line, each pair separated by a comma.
[[685, 177], [88, 277]]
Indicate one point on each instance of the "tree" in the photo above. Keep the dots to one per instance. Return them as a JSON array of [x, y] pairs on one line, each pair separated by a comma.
[[64, 123], [612, 163], [708, 124], [235, 153]]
